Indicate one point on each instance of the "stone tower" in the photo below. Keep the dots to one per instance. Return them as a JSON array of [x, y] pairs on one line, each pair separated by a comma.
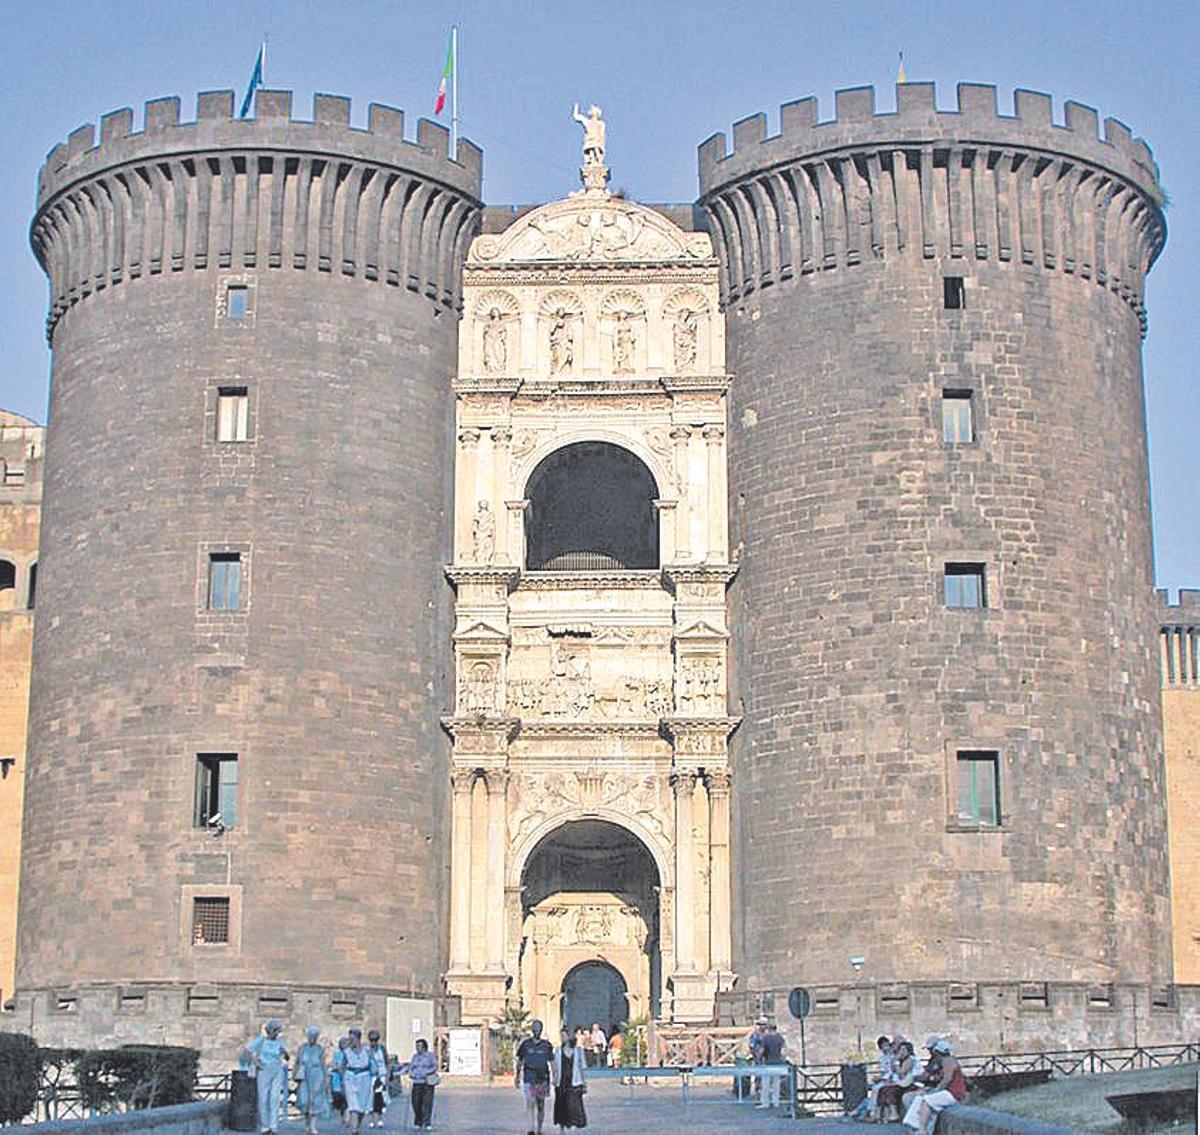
[[943, 617], [236, 758], [591, 794]]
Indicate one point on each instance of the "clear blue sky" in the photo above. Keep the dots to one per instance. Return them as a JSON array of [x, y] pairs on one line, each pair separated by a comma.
[[667, 74]]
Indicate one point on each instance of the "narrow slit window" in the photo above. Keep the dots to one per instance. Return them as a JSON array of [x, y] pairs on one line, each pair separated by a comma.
[[216, 791], [237, 302], [32, 585], [965, 586], [954, 293], [210, 921], [233, 413], [8, 575], [224, 581], [958, 417], [977, 788]]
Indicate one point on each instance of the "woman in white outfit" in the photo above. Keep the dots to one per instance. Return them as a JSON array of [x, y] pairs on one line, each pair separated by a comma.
[[358, 1078]]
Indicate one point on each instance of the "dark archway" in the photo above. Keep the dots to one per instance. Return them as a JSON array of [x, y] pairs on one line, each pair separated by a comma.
[[591, 508], [594, 992]]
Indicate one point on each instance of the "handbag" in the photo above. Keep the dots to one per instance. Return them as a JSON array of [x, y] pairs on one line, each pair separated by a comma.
[[433, 1079]]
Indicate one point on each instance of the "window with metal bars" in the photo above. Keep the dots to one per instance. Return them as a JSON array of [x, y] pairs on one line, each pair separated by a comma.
[[210, 921]]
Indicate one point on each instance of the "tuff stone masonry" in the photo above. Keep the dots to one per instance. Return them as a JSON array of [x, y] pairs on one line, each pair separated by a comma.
[[338, 697]]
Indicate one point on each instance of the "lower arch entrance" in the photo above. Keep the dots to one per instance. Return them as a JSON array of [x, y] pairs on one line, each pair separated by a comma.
[[590, 927]]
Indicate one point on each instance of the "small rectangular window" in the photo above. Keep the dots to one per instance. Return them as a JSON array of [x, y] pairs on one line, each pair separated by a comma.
[[216, 790], [210, 921], [958, 417], [237, 302], [954, 293], [977, 788], [224, 581], [233, 413], [965, 585]]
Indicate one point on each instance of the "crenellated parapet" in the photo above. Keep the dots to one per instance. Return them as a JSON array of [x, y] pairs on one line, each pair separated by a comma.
[[273, 191], [968, 184]]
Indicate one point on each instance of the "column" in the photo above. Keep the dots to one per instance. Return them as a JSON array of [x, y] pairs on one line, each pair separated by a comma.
[[516, 532], [497, 790], [717, 783], [460, 869], [501, 439], [713, 437], [684, 784], [681, 435], [464, 508], [479, 867]]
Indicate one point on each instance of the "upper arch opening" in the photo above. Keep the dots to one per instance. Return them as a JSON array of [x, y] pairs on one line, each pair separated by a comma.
[[591, 508]]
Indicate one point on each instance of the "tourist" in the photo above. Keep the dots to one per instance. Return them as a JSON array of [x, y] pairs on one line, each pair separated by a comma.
[[532, 1075], [616, 1048], [867, 1106], [570, 1083], [309, 1075], [268, 1062], [772, 1053], [754, 1044], [599, 1045], [379, 1086], [423, 1072], [906, 1071], [337, 1092], [951, 1088], [357, 1080]]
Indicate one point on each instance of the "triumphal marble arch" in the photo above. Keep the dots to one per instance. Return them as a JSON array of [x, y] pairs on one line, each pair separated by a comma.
[[590, 859]]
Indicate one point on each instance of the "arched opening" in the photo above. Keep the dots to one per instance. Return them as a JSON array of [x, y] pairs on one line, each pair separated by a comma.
[[591, 508], [8, 584], [590, 927], [594, 993]]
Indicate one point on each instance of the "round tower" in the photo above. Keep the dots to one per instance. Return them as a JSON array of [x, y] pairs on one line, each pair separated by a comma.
[[938, 480], [237, 795]]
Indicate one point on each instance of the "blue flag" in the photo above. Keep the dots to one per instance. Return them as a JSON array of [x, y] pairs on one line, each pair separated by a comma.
[[256, 79]]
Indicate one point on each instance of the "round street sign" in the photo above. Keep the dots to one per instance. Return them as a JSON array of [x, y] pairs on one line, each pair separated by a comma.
[[799, 1002]]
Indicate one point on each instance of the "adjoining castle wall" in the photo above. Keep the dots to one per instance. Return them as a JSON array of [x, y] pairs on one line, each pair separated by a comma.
[[313, 271], [1179, 642], [859, 685], [21, 444]]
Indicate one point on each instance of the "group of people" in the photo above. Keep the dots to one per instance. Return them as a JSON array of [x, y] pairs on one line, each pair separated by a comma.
[[908, 1085], [766, 1047], [541, 1067], [599, 1049], [358, 1081]]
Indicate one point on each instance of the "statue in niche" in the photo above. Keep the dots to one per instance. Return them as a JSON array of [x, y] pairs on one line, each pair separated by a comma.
[[480, 692], [483, 534], [593, 135], [562, 344], [495, 343], [685, 340], [623, 344]]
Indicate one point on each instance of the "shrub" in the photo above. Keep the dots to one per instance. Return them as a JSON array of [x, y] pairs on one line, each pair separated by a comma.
[[20, 1076], [137, 1076]]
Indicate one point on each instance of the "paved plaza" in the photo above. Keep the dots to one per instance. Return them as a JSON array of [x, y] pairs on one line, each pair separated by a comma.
[[649, 1109]]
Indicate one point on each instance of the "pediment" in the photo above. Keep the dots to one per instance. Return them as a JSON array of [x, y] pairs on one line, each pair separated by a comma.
[[590, 228], [701, 630], [481, 631]]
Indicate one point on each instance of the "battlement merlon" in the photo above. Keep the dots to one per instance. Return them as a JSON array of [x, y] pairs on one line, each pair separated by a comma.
[[917, 120], [1185, 612], [272, 128]]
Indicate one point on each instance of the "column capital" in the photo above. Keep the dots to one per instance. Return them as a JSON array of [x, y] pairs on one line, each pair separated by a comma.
[[501, 435], [683, 781], [468, 437], [713, 434], [717, 781], [680, 433], [462, 780], [496, 780]]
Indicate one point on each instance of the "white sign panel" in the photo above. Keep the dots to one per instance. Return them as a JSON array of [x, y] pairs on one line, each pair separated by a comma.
[[466, 1052]]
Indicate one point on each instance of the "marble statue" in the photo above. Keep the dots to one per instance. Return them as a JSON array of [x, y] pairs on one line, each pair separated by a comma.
[[685, 340], [483, 534], [495, 343], [593, 135], [562, 344]]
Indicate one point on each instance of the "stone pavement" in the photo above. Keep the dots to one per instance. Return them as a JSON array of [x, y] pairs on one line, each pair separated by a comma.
[[656, 1108]]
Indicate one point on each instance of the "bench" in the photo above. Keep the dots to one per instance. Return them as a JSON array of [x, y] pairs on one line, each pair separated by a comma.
[[1142, 1109]]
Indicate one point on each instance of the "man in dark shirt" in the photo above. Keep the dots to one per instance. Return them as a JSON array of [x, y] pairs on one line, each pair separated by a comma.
[[533, 1075], [772, 1053]]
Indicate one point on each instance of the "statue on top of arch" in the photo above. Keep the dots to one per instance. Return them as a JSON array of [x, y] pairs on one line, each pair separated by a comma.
[[594, 173]]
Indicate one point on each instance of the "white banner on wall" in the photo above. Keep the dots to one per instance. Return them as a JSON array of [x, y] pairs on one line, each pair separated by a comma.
[[466, 1052]]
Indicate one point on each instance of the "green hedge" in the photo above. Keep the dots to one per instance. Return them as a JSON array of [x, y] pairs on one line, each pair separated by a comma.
[[137, 1076], [20, 1076]]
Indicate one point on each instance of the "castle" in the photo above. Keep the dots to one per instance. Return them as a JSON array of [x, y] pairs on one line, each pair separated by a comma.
[[620, 611]]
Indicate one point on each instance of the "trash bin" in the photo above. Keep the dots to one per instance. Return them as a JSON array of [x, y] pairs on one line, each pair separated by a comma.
[[243, 1101], [854, 1085]]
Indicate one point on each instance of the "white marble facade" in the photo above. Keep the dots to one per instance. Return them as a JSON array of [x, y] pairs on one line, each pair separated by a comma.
[[595, 695]]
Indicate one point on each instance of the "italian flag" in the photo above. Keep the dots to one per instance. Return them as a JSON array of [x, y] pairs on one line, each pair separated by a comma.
[[447, 75]]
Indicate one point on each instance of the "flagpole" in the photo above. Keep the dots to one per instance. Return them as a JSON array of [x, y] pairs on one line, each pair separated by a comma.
[[454, 91], [264, 59]]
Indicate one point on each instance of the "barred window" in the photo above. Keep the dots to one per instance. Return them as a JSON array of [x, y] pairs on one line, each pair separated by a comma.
[[210, 921], [224, 581], [233, 413], [977, 788], [958, 418]]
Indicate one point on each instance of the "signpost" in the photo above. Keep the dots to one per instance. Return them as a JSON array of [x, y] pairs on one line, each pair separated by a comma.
[[800, 1005]]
